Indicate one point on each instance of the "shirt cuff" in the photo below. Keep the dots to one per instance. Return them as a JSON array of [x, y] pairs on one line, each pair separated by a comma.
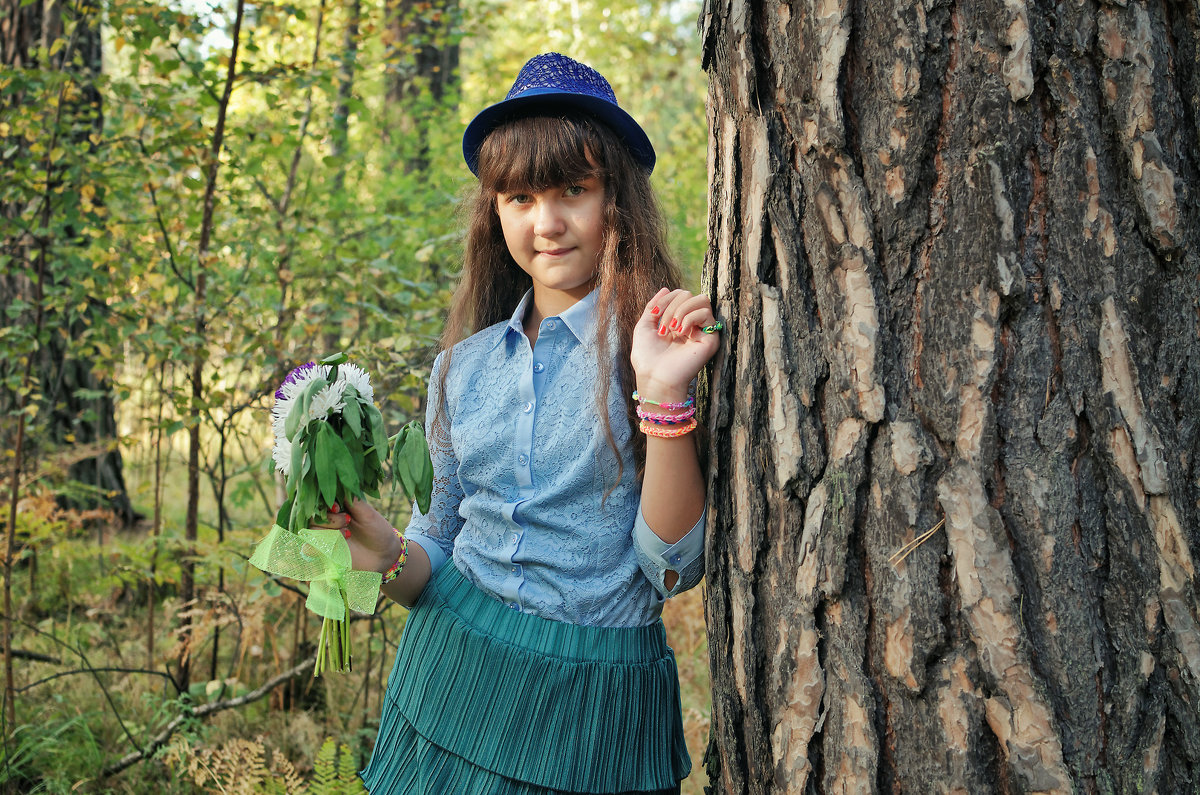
[[434, 552], [679, 557]]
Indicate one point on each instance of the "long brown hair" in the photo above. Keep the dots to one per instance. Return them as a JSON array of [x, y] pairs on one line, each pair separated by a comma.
[[532, 154]]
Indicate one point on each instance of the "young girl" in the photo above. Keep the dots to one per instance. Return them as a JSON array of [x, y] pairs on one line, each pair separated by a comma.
[[568, 499]]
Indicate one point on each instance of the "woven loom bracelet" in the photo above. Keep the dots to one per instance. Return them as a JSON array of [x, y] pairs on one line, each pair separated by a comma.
[[667, 419], [398, 566], [685, 404], [650, 429]]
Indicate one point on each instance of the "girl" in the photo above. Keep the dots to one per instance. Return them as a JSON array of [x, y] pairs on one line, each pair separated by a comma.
[[565, 511]]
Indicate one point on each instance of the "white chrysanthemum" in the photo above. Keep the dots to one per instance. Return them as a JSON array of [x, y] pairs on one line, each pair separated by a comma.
[[295, 383], [282, 454], [358, 378], [327, 401]]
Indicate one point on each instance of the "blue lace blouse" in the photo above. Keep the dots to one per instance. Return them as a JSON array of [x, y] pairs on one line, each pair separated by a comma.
[[519, 484]]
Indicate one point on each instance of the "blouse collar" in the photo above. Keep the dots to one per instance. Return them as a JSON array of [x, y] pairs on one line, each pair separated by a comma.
[[579, 318]]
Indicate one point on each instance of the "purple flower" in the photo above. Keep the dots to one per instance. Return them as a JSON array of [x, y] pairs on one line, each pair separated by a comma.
[[294, 376]]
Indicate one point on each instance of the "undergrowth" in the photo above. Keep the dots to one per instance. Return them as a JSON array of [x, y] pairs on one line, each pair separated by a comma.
[[97, 640]]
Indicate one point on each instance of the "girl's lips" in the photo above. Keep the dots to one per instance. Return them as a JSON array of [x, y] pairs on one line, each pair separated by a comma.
[[555, 252]]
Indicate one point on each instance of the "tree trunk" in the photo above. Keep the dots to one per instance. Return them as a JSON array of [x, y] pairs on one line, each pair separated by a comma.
[[422, 53], [191, 522], [956, 248], [64, 379]]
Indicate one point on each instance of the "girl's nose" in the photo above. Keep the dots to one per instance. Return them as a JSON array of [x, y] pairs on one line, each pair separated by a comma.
[[548, 221]]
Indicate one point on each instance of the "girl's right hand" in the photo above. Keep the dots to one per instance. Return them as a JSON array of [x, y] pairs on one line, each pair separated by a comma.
[[669, 348]]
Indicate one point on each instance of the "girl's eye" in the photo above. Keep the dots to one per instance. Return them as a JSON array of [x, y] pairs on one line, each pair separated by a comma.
[[575, 190], [517, 198]]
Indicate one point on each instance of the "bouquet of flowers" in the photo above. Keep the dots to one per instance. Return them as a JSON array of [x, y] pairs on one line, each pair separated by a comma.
[[331, 446]]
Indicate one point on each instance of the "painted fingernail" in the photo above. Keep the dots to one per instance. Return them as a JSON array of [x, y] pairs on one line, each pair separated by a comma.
[[346, 532], [662, 331], [334, 508], [674, 323], [654, 310]]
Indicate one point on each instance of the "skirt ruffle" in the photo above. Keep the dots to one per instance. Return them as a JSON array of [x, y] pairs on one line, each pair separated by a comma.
[[483, 699]]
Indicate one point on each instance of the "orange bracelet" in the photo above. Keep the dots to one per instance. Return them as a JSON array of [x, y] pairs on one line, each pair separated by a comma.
[[668, 432]]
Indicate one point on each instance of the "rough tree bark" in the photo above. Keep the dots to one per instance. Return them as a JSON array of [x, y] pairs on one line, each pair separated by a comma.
[[956, 244]]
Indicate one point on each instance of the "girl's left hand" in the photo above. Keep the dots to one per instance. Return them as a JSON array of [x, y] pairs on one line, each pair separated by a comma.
[[668, 346]]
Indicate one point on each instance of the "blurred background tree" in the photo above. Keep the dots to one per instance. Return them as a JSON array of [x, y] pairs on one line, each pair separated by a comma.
[[182, 225]]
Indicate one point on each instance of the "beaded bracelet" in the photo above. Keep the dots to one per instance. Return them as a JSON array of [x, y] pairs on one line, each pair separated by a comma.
[[650, 429], [685, 404], [667, 419], [398, 566]]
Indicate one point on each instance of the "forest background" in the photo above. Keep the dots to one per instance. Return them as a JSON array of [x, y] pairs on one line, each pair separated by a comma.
[[195, 199]]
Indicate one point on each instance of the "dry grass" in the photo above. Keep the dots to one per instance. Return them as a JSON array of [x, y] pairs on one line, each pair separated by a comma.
[[684, 619]]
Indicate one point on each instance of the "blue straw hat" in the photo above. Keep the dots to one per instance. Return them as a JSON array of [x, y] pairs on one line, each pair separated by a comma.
[[552, 82]]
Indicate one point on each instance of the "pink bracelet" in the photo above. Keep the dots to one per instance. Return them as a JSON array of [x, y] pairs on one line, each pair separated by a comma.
[[650, 429], [666, 419], [398, 566]]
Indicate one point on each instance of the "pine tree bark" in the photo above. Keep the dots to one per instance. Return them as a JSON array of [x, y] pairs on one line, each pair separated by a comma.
[[956, 247]]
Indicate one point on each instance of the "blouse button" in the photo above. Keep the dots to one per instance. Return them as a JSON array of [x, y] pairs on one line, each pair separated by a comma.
[[538, 367], [514, 606], [521, 459], [528, 407], [550, 324]]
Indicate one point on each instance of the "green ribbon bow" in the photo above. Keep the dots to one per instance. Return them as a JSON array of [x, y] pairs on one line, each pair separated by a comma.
[[319, 556]]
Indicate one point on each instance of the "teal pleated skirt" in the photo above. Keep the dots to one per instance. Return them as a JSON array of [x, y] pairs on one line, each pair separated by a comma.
[[485, 700]]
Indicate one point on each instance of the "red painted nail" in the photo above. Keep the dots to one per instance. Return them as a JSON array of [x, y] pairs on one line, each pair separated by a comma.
[[662, 331], [346, 532], [334, 508], [674, 323]]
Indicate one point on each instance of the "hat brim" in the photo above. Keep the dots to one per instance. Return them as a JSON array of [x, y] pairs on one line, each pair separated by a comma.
[[539, 100]]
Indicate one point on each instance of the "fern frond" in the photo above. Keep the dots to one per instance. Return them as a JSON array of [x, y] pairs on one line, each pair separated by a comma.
[[335, 771], [325, 769]]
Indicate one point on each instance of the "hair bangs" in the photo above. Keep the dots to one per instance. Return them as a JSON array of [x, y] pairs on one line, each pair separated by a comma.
[[539, 152]]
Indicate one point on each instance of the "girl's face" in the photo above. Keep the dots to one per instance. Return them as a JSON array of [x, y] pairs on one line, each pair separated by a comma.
[[556, 235]]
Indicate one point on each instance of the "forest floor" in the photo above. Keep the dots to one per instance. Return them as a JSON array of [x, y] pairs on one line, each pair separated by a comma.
[[91, 688]]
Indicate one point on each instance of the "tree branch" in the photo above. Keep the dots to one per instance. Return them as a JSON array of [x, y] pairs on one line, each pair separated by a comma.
[[204, 711]]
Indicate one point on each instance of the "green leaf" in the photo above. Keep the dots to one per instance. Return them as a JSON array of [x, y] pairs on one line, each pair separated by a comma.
[[335, 358], [298, 411], [352, 441], [399, 469], [420, 453], [297, 470], [346, 471], [305, 507], [412, 465], [351, 413], [283, 516], [378, 437], [323, 455]]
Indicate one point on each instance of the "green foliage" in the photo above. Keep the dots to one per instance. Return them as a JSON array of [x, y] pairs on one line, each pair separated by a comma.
[[411, 465], [38, 754], [334, 771]]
